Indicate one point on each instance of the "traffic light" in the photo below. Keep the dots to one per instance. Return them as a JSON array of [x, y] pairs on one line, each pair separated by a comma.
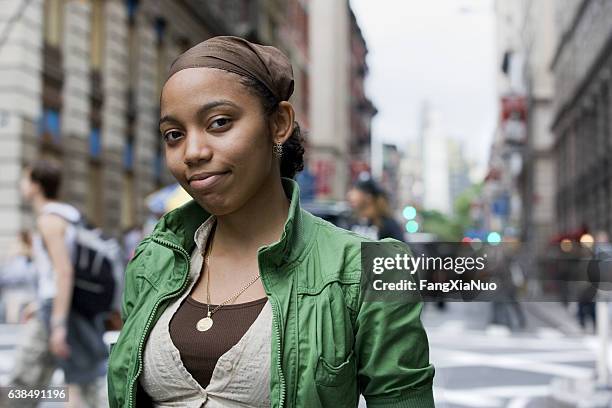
[[493, 238], [409, 212], [412, 226]]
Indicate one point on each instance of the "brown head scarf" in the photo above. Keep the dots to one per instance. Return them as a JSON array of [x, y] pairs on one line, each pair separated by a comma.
[[265, 64]]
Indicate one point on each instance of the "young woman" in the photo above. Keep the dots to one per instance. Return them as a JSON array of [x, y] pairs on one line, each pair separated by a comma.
[[240, 298], [369, 201]]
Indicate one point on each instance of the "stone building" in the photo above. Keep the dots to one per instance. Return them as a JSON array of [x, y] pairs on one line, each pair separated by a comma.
[[537, 178], [581, 123], [81, 83]]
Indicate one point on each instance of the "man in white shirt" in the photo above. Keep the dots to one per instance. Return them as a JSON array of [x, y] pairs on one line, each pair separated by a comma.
[[51, 322]]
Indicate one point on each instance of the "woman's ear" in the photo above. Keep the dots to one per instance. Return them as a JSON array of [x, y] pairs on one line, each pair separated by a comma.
[[283, 122]]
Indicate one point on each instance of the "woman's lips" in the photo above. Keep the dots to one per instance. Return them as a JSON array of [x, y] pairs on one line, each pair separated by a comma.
[[207, 183]]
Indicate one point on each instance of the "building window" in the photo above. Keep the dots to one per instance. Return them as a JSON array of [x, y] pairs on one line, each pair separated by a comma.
[[95, 144], [128, 216], [158, 164], [132, 6], [128, 154], [160, 29], [97, 34], [49, 129], [94, 199], [53, 21]]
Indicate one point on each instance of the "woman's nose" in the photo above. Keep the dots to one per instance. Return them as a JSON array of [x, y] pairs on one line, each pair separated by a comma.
[[196, 149]]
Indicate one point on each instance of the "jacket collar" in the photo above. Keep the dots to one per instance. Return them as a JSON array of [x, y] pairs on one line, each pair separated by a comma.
[[179, 227]]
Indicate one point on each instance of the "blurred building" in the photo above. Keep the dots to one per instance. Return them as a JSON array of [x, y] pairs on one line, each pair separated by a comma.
[[361, 108], [459, 170], [391, 173], [581, 115], [81, 83], [500, 204], [435, 171], [294, 32], [410, 185], [340, 112], [537, 177]]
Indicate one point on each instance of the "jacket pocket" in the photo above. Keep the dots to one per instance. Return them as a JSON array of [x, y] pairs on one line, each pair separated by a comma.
[[332, 376], [337, 385]]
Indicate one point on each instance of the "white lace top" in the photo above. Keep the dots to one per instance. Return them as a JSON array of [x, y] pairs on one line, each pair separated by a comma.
[[241, 377]]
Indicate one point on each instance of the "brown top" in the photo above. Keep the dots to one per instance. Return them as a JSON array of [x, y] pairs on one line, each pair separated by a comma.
[[201, 350]]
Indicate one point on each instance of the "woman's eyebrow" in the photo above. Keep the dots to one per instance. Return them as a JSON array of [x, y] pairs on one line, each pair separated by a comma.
[[211, 105], [202, 110], [167, 118]]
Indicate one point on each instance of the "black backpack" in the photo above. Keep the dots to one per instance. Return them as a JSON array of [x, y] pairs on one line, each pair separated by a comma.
[[98, 267]]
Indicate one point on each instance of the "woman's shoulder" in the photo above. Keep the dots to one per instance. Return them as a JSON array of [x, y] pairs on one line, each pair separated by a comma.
[[337, 246], [339, 235]]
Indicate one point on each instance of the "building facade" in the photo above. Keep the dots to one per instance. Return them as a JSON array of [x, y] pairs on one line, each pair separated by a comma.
[[81, 84], [340, 112], [581, 123], [537, 178], [82, 78]]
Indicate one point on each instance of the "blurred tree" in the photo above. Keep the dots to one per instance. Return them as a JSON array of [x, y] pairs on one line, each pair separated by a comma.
[[452, 228]]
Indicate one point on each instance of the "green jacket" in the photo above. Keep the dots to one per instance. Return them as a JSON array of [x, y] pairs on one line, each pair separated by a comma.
[[327, 345]]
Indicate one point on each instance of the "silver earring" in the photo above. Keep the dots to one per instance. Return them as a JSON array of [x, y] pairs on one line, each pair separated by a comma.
[[278, 149]]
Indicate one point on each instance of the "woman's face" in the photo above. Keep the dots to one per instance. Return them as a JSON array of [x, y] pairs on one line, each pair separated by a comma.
[[218, 144], [360, 202], [26, 186]]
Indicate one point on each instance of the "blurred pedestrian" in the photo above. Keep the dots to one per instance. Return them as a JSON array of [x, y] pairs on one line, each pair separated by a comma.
[[131, 237], [18, 278], [371, 205], [57, 336], [602, 252], [505, 307]]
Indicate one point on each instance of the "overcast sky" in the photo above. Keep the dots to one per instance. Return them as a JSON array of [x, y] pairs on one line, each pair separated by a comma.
[[437, 50]]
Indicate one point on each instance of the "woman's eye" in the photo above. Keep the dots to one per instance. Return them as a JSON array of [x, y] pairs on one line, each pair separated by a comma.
[[218, 123], [172, 136]]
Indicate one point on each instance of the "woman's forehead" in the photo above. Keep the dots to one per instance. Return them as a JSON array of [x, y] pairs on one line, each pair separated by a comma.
[[199, 86]]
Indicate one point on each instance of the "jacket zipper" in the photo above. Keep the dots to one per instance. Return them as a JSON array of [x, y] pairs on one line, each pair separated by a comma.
[[278, 360], [276, 318], [144, 334]]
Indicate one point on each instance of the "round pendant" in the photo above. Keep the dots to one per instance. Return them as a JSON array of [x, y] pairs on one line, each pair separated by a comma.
[[204, 324]]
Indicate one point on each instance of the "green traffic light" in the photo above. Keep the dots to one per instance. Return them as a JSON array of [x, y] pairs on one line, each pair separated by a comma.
[[493, 238], [409, 212], [412, 226]]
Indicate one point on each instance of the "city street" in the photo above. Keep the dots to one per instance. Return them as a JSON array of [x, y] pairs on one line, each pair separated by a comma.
[[476, 365], [9, 335], [480, 366]]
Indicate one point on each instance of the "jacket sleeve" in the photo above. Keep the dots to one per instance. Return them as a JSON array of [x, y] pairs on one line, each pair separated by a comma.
[[130, 289], [392, 349]]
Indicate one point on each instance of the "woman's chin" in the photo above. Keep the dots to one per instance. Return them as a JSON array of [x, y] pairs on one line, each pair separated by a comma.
[[216, 205]]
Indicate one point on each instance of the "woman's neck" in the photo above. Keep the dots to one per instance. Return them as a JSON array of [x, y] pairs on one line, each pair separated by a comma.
[[260, 222]]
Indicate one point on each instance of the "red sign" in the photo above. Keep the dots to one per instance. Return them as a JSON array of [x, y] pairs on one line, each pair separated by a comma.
[[513, 107], [324, 171]]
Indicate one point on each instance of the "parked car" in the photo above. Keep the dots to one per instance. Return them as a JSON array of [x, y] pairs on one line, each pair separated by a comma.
[[337, 212]]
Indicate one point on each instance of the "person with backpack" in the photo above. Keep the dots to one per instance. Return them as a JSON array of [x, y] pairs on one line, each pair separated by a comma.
[[58, 335]]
